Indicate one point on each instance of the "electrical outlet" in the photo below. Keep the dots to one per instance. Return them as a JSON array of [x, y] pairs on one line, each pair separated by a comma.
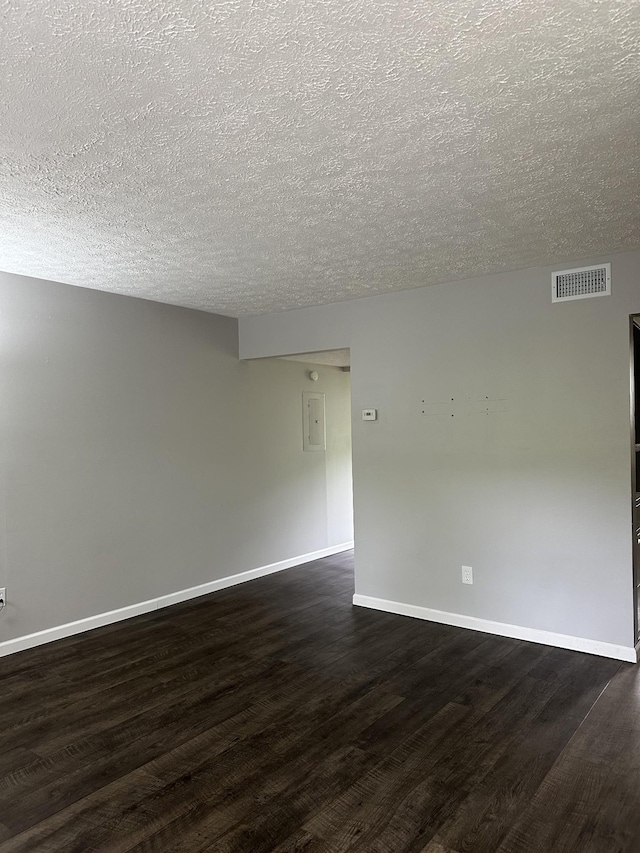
[[467, 574], [3, 597]]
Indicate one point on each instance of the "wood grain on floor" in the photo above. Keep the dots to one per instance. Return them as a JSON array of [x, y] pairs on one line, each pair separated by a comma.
[[274, 717]]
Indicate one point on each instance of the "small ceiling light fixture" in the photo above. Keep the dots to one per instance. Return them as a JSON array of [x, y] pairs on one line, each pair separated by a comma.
[[313, 375]]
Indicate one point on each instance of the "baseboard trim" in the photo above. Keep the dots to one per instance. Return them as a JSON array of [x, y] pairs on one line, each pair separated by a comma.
[[502, 629], [59, 632]]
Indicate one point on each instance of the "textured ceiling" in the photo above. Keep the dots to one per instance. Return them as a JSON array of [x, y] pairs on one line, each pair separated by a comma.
[[243, 156]]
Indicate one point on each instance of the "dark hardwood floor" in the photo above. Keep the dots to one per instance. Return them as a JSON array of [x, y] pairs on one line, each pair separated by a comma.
[[274, 717]]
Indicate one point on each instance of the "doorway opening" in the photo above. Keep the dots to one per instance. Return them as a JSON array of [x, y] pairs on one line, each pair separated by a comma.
[[635, 465], [323, 388]]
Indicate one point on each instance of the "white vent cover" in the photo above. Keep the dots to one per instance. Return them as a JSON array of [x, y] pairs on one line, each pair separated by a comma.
[[582, 283]]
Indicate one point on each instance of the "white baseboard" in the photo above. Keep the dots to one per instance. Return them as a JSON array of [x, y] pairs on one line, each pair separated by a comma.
[[502, 629], [58, 632]]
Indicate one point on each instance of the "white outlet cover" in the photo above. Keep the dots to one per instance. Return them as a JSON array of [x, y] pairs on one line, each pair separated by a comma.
[[467, 574]]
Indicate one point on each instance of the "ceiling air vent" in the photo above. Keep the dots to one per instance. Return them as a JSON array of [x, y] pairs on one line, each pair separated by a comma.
[[582, 283]]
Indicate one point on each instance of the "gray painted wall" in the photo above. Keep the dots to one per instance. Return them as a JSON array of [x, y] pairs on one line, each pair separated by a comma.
[[140, 457], [536, 497]]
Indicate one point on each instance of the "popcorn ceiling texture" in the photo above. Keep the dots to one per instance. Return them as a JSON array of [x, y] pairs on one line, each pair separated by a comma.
[[244, 156]]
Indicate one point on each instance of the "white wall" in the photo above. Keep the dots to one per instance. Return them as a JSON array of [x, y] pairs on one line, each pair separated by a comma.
[[139, 457], [536, 498]]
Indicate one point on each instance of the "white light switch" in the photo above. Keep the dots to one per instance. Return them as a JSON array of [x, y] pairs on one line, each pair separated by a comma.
[[369, 414]]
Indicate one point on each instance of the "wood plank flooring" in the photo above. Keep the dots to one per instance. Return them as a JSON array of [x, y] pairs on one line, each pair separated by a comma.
[[274, 717]]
